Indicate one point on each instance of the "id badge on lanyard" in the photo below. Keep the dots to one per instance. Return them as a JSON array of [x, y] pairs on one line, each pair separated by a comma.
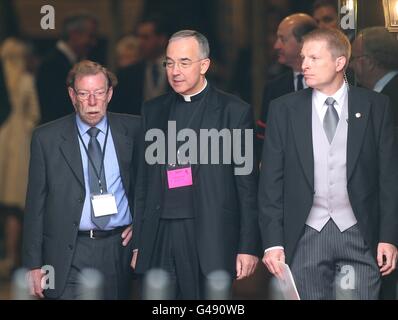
[[179, 175], [103, 204]]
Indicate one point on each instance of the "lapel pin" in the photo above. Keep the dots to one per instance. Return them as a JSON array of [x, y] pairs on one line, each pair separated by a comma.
[[358, 115]]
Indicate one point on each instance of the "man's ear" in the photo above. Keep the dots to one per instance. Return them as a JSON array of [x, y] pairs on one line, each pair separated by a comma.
[[72, 96], [341, 63], [109, 94], [204, 66]]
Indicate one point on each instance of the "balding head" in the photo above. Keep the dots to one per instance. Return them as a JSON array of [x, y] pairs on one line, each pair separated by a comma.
[[289, 38], [300, 24]]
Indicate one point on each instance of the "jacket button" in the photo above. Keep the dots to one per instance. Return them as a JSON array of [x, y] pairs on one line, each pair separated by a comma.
[[75, 223], [158, 207], [70, 247], [80, 200]]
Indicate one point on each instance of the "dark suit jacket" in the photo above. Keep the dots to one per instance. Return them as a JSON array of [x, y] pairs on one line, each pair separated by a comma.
[[287, 177], [225, 204], [391, 90], [276, 88], [56, 191], [128, 95], [51, 86]]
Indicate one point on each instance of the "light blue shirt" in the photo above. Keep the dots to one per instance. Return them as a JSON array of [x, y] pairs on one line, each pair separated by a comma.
[[379, 86], [112, 176]]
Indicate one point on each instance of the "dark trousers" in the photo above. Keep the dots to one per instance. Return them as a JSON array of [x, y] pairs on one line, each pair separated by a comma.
[[110, 258], [175, 252], [335, 265], [389, 286]]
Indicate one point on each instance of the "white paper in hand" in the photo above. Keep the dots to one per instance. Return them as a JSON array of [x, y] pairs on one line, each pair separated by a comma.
[[286, 283]]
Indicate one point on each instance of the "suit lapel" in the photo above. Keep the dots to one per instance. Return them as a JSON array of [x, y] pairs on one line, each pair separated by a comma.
[[124, 148], [290, 82], [358, 115], [70, 149], [161, 122], [301, 121]]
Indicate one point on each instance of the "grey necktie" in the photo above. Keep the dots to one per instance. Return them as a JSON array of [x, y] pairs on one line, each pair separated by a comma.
[[95, 154], [331, 119], [300, 85]]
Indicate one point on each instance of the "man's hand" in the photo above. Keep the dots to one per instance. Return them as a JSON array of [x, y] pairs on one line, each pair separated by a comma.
[[127, 235], [134, 259], [271, 258], [245, 265], [386, 258], [34, 281]]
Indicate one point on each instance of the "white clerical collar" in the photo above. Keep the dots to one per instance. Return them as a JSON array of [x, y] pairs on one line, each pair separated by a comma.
[[187, 97], [67, 51]]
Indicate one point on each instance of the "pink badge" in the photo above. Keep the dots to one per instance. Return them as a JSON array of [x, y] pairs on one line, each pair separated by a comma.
[[179, 178]]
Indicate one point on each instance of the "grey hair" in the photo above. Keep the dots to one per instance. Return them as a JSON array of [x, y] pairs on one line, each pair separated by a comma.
[[381, 46], [200, 38]]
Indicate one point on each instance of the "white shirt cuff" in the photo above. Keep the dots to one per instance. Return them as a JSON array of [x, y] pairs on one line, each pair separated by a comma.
[[272, 248]]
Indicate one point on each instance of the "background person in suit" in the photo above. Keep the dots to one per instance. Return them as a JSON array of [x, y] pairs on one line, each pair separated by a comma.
[[208, 225], [146, 79], [79, 36], [288, 45], [90, 152], [328, 192], [374, 61]]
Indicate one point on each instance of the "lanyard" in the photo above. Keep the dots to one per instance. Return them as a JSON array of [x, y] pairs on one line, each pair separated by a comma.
[[98, 174]]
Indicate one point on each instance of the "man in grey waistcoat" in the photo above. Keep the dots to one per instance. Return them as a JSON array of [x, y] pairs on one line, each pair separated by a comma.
[[328, 196]]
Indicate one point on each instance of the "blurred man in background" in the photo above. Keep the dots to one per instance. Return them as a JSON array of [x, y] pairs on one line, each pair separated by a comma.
[[79, 36]]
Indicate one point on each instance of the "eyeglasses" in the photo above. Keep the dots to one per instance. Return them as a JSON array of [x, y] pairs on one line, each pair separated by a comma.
[[85, 95], [184, 64]]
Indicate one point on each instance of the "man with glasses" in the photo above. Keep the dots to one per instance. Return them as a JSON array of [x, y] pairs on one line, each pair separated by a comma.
[[374, 61], [192, 219], [79, 199]]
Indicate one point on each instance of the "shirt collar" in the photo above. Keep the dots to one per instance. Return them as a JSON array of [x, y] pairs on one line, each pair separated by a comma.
[[296, 73], [379, 86], [188, 97], [339, 96], [83, 127], [67, 51]]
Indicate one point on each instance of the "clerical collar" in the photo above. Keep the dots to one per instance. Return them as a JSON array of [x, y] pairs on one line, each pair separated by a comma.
[[195, 96]]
